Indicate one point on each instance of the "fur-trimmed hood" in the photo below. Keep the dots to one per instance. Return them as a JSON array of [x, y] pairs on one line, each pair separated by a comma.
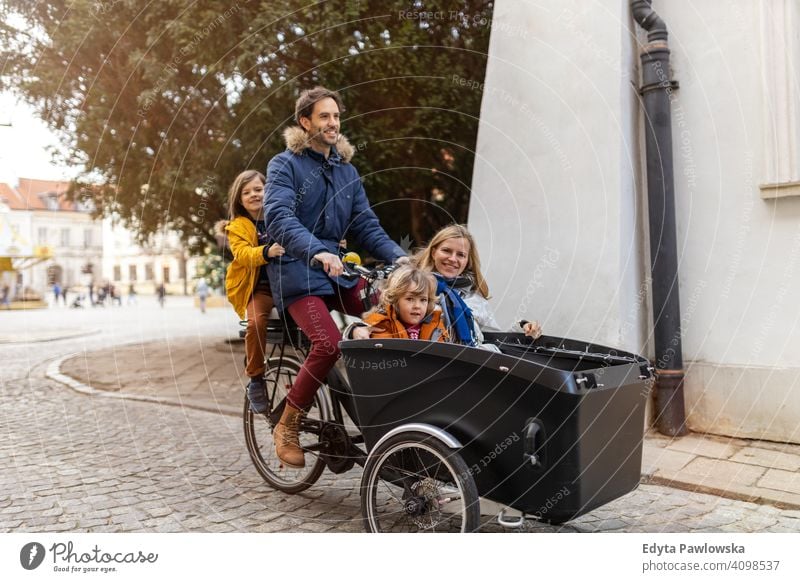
[[297, 140]]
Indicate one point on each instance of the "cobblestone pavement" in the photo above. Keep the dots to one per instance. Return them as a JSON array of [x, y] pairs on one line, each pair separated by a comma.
[[76, 462]]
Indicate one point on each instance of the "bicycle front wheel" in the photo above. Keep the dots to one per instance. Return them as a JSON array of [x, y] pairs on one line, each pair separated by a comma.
[[279, 376], [415, 483]]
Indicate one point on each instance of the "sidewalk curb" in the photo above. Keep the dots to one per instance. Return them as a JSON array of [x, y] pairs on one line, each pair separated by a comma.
[[71, 335], [54, 373], [718, 492]]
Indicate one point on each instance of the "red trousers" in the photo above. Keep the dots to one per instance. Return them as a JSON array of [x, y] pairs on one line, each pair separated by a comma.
[[313, 316]]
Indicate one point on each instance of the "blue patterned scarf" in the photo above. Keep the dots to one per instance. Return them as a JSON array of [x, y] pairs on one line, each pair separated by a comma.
[[460, 314]]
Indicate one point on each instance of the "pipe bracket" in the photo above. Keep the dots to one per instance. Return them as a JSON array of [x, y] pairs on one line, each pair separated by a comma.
[[661, 85]]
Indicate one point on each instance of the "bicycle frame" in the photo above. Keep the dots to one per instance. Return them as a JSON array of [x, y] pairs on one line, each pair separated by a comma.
[[336, 396]]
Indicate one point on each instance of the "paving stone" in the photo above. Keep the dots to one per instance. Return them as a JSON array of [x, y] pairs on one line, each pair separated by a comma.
[[62, 526], [778, 479], [767, 458], [781, 499], [781, 529], [720, 473], [219, 528], [611, 524], [315, 526], [159, 511], [87, 524], [759, 523], [660, 460], [270, 527]]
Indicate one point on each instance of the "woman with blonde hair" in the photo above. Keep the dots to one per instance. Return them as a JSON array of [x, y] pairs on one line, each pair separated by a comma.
[[452, 257]]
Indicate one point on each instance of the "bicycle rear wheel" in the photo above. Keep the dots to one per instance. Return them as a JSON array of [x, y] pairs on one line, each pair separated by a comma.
[[279, 375]]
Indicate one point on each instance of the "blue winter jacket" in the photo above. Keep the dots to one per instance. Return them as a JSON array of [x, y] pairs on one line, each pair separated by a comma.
[[310, 204]]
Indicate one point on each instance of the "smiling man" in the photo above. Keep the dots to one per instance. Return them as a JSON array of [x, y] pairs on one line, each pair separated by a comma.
[[314, 198]]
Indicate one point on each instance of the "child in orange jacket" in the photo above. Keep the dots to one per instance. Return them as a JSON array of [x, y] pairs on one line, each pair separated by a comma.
[[407, 309]]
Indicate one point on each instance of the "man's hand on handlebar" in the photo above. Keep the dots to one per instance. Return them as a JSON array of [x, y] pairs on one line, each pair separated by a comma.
[[330, 263]]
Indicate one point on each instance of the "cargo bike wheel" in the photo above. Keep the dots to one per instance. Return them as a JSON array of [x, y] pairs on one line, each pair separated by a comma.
[[280, 374], [413, 482]]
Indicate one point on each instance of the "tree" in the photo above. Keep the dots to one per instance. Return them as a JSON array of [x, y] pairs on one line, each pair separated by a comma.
[[163, 103]]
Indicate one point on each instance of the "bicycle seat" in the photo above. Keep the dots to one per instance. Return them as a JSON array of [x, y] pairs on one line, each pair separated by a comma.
[[280, 331]]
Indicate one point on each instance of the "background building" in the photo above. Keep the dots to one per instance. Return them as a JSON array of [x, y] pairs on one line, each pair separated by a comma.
[[162, 259], [40, 215], [81, 249]]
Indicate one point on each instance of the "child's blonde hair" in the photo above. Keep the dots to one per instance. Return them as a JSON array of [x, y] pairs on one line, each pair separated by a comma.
[[408, 279]]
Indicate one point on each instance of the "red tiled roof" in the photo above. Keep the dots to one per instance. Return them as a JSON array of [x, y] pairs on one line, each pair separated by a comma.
[[33, 193], [11, 197]]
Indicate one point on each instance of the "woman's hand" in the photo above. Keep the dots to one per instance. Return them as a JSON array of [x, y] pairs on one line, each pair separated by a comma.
[[331, 263], [276, 250], [361, 332], [532, 329], [404, 260]]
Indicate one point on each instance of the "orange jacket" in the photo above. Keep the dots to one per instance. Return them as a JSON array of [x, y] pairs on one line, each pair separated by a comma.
[[389, 326]]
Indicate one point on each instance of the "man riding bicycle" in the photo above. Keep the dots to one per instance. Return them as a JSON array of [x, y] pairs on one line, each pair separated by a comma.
[[314, 197]]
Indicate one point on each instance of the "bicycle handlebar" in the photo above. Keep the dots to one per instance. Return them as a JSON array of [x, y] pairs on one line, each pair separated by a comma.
[[354, 271]]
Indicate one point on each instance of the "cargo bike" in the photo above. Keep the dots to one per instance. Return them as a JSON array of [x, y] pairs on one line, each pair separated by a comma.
[[547, 429]]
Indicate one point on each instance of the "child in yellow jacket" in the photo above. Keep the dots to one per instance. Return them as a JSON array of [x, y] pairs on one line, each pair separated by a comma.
[[246, 281]]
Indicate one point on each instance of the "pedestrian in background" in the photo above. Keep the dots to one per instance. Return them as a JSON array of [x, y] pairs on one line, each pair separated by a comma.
[[202, 293], [4, 297], [131, 294], [161, 292]]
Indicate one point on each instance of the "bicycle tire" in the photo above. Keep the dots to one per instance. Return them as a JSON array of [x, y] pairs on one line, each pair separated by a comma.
[[281, 371], [414, 483]]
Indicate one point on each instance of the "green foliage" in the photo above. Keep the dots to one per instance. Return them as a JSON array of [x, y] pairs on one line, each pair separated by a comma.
[[212, 266], [165, 102]]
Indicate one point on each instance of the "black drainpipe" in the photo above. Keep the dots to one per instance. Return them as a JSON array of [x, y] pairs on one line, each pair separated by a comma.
[[656, 91]]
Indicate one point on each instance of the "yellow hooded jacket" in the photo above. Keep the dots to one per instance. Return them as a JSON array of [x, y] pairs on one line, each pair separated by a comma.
[[248, 256]]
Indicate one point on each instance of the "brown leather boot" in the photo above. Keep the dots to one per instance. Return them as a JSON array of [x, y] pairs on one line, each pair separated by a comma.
[[287, 441]]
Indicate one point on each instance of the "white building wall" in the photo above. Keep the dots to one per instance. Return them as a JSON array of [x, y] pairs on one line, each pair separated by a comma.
[[557, 220], [164, 251], [740, 255], [71, 254], [553, 205]]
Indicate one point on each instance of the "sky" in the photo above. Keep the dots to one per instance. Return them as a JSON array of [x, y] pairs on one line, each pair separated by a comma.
[[23, 146]]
